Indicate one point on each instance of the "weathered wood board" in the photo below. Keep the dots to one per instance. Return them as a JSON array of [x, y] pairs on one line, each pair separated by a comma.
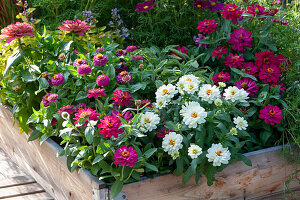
[[41, 163]]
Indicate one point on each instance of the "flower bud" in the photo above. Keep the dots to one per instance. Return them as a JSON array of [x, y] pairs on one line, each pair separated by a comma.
[[218, 112], [222, 84], [62, 56], [233, 131], [65, 115], [141, 66], [179, 126], [138, 102], [218, 102]]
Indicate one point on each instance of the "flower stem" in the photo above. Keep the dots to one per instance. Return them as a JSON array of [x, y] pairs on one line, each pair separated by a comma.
[[128, 176], [150, 21], [20, 44]]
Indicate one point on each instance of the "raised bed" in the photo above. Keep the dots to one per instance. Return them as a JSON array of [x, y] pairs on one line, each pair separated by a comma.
[[264, 180]]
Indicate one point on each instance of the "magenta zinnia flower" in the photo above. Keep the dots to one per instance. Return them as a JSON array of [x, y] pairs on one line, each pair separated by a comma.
[[256, 10], [197, 41], [81, 106], [125, 115], [110, 126], [79, 62], [250, 68], [270, 74], [214, 6], [219, 51], [86, 113], [120, 52], [96, 92], [53, 122], [45, 100], [57, 80], [182, 50], [272, 11], [84, 69], [100, 49], [100, 60], [122, 68], [265, 58], [248, 85], [125, 156], [207, 26], [221, 77], [124, 77], [102, 80], [145, 6], [240, 39], [137, 57], [77, 26], [235, 61], [231, 12], [162, 133], [121, 98], [17, 30], [68, 108], [52, 97], [271, 114], [131, 48], [199, 4]]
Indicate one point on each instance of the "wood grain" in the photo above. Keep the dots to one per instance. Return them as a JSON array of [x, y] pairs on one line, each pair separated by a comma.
[[36, 196], [40, 161]]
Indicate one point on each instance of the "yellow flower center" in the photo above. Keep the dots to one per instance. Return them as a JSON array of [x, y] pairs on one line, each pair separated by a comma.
[[99, 56], [119, 115], [147, 120], [219, 153], [124, 72], [195, 151], [44, 75], [232, 92], [171, 142], [272, 112], [244, 85], [190, 86], [79, 61], [56, 77], [165, 91], [221, 76], [80, 107], [194, 115], [270, 70], [266, 61], [231, 9], [125, 153], [241, 36], [198, 6], [110, 123], [212, 3], [145, 7], [188, 79], [248, 69], [234, 57], [208, 92]]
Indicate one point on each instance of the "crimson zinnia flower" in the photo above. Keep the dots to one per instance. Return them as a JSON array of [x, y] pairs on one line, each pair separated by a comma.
[[256, 10], [77, 26], [145, 6], [214, 6], [96, 92], [265, 58], [207, 26], [17, 30], [121, 98], [88, 114], [110, 126], [248, 85], [221, 77], [235, 61], [250, 68], [231, 12], [162, 133], [271, 114], [283, 62], [219, 51], [270, 74], [199, 4], [240, 38], [272, 11], [125, 156]]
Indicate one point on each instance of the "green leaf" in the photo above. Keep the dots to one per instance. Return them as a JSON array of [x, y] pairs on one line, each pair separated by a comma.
[[34, 135], [43, 84], [264, 136], [138, 86], [12, 60], [33, 119], [81, 95], [179, 166], [98, 159], [210, 172], [116, 188], [28, 77], [151, 167], [187, 175], [242, 73], [89, 133], [150, 152], [246, 160]]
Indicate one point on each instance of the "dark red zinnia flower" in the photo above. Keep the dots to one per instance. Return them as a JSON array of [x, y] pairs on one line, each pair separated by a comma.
[[207, 26], [270, 74], [265, 58], [219, 51], [256, 10], [235, 61], [121, 98], [231, 12], [250, 68], [240, 38], [145, 6], [199, 4], [271, 114], [248, 85], [221, 77]]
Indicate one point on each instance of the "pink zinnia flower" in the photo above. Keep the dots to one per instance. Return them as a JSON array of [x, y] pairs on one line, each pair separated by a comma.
[[110, 126], [276, 2], [221, 77], [248, 85], [45, 100], [182, 50], [240, 39], [231, 12], [57, 80], [124, 77], [68, 108], [271, 114], [131, 48], [137, 57], [125, 156], [84, 69], [214, 6], [270, 74], [96, 92], [197, 41], [79, 62], [219, 51], [256, 10], [235, 61], [272, 11], [145, 6], [17, 30], [88, 114], [125, 115], [120, 52], [102, 80], [162, 133], [52, 97], [207, 26], [81, 106], [100, 60], [77, 26], [265, 58], [250, 68], [121, 98], [100, 49], [199, 4]]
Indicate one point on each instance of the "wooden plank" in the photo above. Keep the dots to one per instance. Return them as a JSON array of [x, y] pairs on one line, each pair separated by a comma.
[[18, 180], [20, 190], [237, 181], [36, 196], [41, 163]]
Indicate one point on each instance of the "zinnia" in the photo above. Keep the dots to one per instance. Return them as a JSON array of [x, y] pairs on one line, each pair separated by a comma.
[[221, 77], [125, 115], [124, 77], [207, 26], [270, 74], [17, 30], [52, 97], [199, 4], [162, 132], [125, 156], [250, 68], [219, 51], [145, 6], [131, 48], [96, 92], [84, 69], [110, 126], [81, 106], [79, 62], [256, 10], [77, 26], [121, 98], [102, 80], [88, 114], [198, 43], [214, 6], [240, 39], [265, 58], [271, 114], [231, 12], [248, 85], [120, 52], [57, 80], [68, 108], [100, 60], [235, 61], [137, 57]]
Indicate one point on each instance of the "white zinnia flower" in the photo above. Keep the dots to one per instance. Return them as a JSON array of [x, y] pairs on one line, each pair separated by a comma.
[[218, 102], [172, 142], [240, 122], [233, 131], [218, 155], [243, 95], [194, 151], [166, 92], [209, 93], [188, 83], [149, 120], [233, 94], [222, 84], [193, 114], [175, 154], [161, 103]]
